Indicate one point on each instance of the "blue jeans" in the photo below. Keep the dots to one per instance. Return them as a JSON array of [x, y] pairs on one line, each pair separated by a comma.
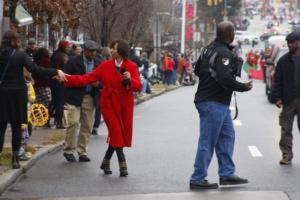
[[168, 77], [145, 84], [216, 133]]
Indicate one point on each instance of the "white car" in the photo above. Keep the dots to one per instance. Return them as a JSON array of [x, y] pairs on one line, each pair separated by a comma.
[[245, 37]]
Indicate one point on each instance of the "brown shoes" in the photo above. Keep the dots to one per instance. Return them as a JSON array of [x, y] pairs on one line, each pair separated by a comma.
[[285, 161]]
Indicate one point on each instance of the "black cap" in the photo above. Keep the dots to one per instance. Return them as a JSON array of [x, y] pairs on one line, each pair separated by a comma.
[[293, 36], [91, 45]]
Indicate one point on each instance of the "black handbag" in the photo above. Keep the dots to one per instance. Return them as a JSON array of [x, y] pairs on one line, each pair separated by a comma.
[[6, 67]]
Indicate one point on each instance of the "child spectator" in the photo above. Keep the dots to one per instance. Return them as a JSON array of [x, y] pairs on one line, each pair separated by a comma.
[[26, 128]]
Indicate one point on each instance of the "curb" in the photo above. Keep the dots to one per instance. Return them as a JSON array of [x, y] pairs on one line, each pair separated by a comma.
[[11, 176]]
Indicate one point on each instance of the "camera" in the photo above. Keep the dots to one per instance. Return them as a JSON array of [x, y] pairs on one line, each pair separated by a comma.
[[125, 82]]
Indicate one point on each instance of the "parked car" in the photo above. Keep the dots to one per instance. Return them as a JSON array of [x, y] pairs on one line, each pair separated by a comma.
[[295, 21], [242, 24], [272, 24], [245, 37], [270, 73], [265, 36]]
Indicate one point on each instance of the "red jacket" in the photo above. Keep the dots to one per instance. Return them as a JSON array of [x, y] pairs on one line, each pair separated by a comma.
[[116, 100], [168, 64]]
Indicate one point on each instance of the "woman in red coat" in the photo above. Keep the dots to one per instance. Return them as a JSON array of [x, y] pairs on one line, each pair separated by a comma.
[[120, 79]]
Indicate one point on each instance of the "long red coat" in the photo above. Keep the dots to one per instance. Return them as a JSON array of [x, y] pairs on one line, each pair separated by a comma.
[[116, 100]]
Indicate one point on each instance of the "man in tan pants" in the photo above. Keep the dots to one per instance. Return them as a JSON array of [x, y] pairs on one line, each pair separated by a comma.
[[80, 103]]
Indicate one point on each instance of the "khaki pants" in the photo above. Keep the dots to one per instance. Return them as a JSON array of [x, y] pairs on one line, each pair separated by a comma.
[[286, 120], [80, 119]]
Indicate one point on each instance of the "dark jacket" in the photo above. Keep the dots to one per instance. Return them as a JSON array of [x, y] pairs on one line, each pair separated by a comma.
[[40, 81], [75, 66], [220, 87], [13, 90], [284, 79], [14, 77]]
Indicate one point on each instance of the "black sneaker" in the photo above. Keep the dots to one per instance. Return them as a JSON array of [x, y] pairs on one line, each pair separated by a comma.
[[84, 158], [203, 185], [232, 180], [69, 157]]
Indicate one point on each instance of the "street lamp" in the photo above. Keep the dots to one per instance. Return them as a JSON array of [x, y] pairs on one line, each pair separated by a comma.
[[104, 35], [157, 35], [182, 47], [1, 16]]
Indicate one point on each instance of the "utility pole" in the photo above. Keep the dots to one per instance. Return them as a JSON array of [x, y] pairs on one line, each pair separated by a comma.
[[182, 48], [225, 18], [1, 17]]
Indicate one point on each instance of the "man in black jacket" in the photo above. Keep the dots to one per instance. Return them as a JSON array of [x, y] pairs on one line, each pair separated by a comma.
[[81, 104], [217, 69], [287, 94]]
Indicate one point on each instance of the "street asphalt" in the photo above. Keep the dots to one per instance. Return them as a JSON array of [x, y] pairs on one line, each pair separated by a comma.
[[261, 195], [161, 159]]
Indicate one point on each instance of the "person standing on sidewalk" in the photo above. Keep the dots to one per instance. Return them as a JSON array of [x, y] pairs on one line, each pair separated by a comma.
[[120, 78], [217, 68], [80, 103], [287, 95], [58, 60], [13, 89]]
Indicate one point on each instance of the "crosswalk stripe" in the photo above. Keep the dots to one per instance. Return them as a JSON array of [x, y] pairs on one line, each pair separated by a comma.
[[254, 151]]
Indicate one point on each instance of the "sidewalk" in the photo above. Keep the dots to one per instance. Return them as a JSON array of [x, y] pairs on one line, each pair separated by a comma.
[[46, 140]]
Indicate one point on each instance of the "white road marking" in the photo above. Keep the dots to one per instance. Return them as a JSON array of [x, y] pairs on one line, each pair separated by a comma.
[[254, 151], [237, 122]]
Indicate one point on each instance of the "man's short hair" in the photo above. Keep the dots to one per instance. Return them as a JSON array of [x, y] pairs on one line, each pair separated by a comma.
[[292, 37]]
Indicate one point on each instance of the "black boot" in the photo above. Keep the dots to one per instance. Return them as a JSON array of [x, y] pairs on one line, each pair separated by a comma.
[[105, 166], [15, 161], [123, 169]]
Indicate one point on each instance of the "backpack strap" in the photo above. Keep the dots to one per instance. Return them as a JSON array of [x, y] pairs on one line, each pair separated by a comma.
[[6, 67]]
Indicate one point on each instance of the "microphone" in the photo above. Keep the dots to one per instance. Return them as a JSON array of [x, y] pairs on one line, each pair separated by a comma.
[[125, 82]]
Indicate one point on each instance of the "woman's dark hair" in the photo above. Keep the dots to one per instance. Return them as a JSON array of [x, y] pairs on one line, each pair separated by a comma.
[[41, 53], [122, 48], [9, 39]]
